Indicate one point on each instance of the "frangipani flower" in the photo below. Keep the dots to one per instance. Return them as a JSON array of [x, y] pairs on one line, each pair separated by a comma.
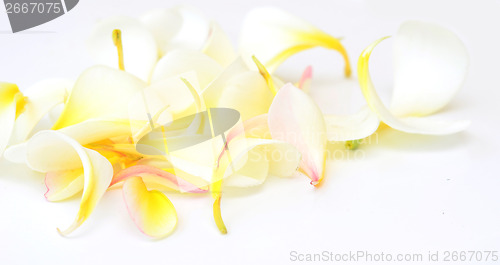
[[93, 122], [21, 112], [430, 66], [273, 35]]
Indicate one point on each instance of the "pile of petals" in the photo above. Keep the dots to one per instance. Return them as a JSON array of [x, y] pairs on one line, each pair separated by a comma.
[[170, 106]]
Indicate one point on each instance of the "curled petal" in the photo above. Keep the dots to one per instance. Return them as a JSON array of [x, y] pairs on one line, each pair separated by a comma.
[[273, 35], [351, 127], [51, 151], [179, 27], [219, 46], [99, 93], [152, 211], [180, 61], [139, 47], [430, 66], [164, 24], [63, 184], [41, 98], [296, 119], [242, 89], [418, 125], [157, 176]]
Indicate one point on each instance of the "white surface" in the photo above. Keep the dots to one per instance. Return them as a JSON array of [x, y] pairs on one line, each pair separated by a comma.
[[406, 194]]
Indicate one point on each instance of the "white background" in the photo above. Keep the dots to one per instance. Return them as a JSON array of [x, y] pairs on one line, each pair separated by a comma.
[[403, 194]]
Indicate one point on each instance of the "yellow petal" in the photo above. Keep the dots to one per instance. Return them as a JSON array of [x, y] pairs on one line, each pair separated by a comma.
[[63, 184], [273, 35], [99, 93], [152, 211], [49, 151], [42, 97], [9, 98], [296, 119]]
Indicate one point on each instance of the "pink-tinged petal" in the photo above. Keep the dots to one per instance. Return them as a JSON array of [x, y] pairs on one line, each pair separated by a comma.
[[255, 127], [158, 176], [152, 211], [296, 119], [305, 79], [63, 184], [49, 151]]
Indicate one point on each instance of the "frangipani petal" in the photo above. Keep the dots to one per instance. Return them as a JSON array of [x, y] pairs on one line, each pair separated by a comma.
[[164, 24], [99, 93], [240, 88], [10, 96], [139, 47], [256, 159], [351, 127], [63, 184], [305, 79], [152, 211], [273, 35], [158, 176], [101, 130], [409, 124], [51, 151], [41, 98], [180, 61], [430, 66], [296, 119], [247, 93], [219, 46]]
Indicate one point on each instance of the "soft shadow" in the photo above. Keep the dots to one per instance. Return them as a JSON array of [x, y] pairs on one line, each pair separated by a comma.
[[389, 138]]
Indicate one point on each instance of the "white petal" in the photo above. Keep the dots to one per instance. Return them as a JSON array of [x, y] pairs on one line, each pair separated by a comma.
[[219, 46], [256, 159], [273, 35], [164, 24], [139, 47], [296, 119], [351, 127], [7, 120], [242, 89], [49, 151], [194, 30], [181, 60], [411, 124], [42, 97], [430, 65]]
